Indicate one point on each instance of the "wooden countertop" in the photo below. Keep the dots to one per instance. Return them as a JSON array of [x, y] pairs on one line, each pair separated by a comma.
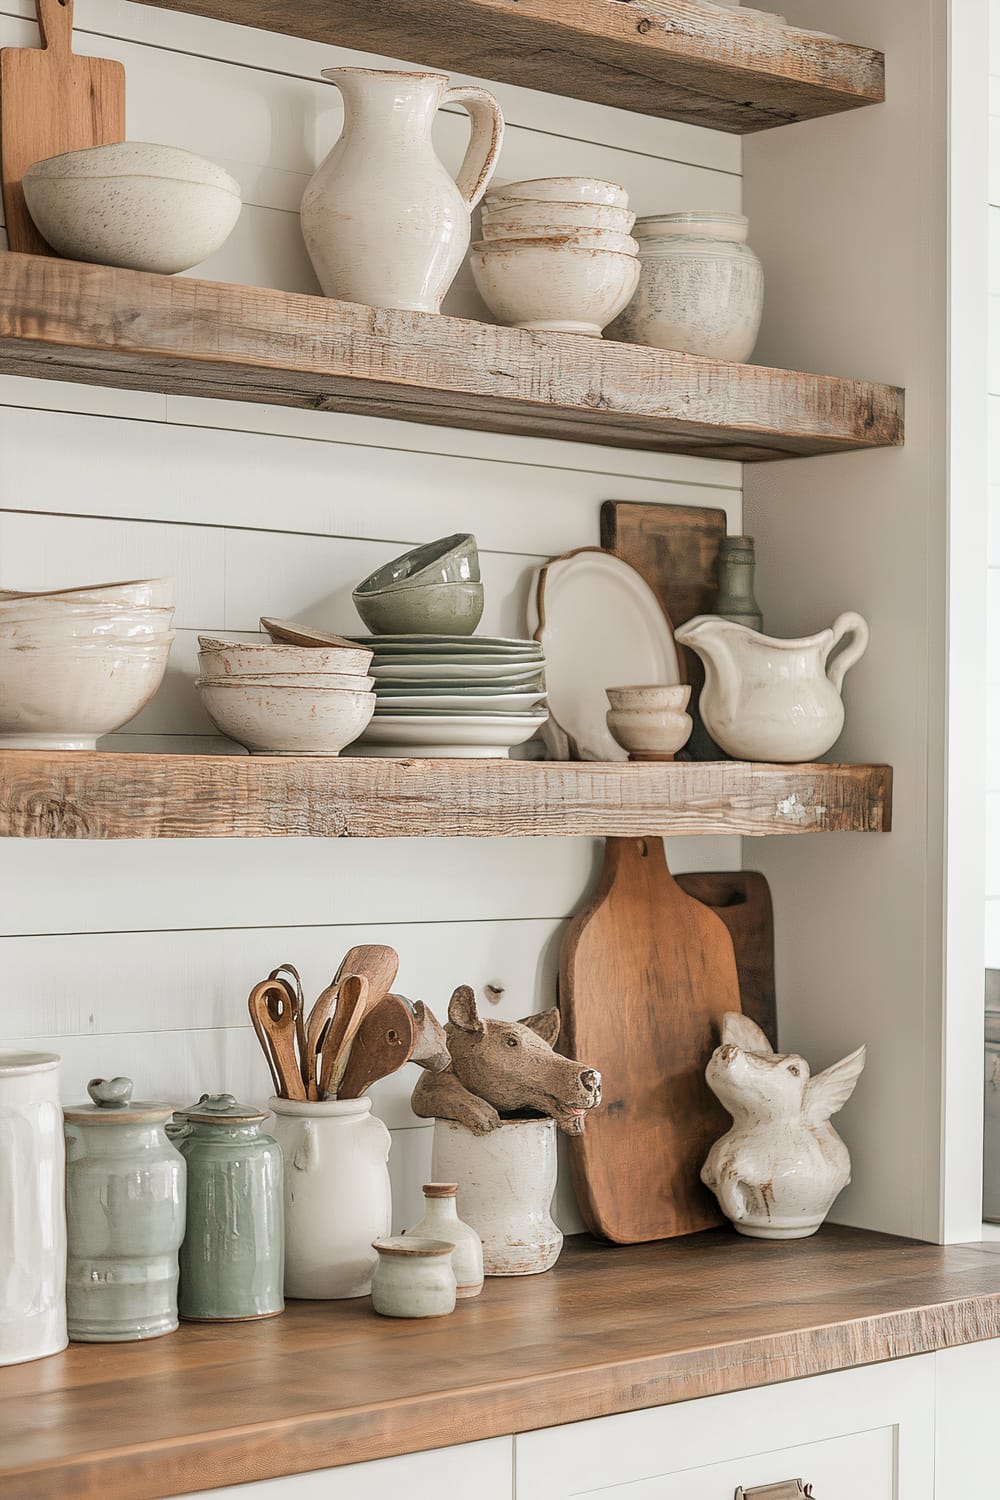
[[609, 1330]]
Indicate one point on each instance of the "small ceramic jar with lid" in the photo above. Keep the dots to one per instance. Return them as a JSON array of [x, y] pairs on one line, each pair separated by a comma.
[[125, 1216], [441, 1222], [414, 1278], [233, 1256]]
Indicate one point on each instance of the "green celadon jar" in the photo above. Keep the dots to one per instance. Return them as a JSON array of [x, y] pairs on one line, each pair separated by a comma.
[[233, 1257], [124, 1217]]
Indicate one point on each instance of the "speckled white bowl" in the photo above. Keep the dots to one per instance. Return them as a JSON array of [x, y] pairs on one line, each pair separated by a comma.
[[560, 190], [555, 288], [533, 214], [81, 622], [576, 239], [286, 720], [140, 593], [65, 699], [255, 658], [133, 204]]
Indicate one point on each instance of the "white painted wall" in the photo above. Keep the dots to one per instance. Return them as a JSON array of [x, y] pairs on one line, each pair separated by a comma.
[[137, 958], [993, 553]]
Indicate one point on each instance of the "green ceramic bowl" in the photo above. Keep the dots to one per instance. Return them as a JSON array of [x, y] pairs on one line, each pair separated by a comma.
[[455, 608], [451, 559]]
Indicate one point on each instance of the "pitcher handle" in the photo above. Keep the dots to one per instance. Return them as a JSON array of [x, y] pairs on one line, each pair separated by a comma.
[[844, 625], [484, 144]]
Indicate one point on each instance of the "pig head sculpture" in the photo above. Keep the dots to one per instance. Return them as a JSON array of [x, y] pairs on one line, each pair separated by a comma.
[[778, 1170], [504, 1067]]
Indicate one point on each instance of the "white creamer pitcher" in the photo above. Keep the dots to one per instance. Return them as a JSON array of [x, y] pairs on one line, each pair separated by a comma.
[[383, 221], [773, 700]]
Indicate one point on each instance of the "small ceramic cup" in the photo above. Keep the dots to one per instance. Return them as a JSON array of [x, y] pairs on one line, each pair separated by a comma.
[[414, 1278], [650, 722]]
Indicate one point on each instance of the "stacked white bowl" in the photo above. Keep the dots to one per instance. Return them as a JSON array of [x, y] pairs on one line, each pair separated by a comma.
[[78, 663], [278, 699], [556, 254]]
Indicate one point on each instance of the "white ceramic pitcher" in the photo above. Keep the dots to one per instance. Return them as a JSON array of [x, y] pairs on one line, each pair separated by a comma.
[[383, 221], [768, 699]]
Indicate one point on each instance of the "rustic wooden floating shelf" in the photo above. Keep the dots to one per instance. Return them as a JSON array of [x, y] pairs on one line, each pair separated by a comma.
[[65, 321], [678, 59], [74, 795]]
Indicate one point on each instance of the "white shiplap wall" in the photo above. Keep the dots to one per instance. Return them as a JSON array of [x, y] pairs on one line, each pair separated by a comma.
[[137, 958], [993, 585]]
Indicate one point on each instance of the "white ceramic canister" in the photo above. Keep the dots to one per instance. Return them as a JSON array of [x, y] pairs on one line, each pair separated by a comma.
[[414, 1278], [701, 288], [32, 1208], [506, 1182], [441, 1222], [337, 1194]]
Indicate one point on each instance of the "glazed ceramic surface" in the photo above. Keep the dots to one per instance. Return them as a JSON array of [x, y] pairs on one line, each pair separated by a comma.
[[558, 238], [429, 607], [132, 204], [492, 703], [66, 621], [243, 659], [560, 190], [506, 1182], [337, 1197], [383, 222], [459, 736], [441, 1222], [286, 720], [600, 624], [142, 592], [449, 559], [232, 1261], [462, 673], [65, 696], [674, 699], [736, 600], [554, 288], [414, 1278], [774, 700], [125, 1192], [330, 681], [655, 733], [778, 1170], [701, 290], [544, 218], [33, 1217]]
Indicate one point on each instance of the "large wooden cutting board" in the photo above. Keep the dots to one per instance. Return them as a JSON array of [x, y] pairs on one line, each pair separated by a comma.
[[52, 101], [646, 974], [742, 898]]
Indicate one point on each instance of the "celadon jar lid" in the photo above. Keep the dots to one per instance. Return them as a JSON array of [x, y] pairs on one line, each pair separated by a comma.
[[223, 1109], [113, 1105]]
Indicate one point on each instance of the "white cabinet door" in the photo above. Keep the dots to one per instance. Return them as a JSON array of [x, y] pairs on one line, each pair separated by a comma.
[[479, 1471], [968, 1382], [865, 1434]]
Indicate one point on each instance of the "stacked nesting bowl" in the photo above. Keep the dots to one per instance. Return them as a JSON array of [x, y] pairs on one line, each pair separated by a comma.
[[78, 663], [556, 254], [278, 699]]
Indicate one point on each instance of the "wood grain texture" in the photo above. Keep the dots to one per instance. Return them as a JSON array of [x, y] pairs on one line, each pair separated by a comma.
[[742, 899], [646, 974], [675, 59], [66, 321], [66, 794], [52, 101], [608, 1330]]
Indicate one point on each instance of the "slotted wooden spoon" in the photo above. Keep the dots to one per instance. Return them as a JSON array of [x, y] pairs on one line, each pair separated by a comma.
[[272, 1012]]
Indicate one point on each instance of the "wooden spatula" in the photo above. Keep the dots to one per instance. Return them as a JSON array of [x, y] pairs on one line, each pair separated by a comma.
[[352, 1007], [52, 101], [378, 963], [384, 1042]]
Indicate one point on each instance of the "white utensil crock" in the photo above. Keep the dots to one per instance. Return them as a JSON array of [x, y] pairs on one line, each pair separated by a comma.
[[33, 1219], [506, 1182], [383, 221], [337, 1195]]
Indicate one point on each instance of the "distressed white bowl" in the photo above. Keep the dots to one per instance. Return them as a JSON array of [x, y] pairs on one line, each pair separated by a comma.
[[287, 720], [576, 239], [561, 190], [652, 732], [137, 593], [555, 288], [133, 204], [66, 699], [252, 658], [82, 623], [337, 682], [659, 695], [541, 215]]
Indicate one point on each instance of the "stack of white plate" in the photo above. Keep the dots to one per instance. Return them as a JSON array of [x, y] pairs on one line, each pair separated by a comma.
[[453, 695]]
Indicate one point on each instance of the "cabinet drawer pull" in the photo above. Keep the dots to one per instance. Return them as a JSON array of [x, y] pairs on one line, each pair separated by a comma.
[[788, 1489]]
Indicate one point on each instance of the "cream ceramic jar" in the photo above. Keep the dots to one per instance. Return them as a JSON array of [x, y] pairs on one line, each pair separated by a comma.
[[414, 1278], [441, 1222], [506, 1183]]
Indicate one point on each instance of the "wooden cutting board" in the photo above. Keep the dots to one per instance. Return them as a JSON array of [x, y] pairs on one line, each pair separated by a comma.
[[742, 898], [52, 101], [646, 974]]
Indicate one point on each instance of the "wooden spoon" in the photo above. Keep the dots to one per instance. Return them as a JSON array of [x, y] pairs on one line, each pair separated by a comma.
[[352, 1006], [379, 965], [317, 1029], [291, 633], [384, 1042], [273, 1014], [284, 973]]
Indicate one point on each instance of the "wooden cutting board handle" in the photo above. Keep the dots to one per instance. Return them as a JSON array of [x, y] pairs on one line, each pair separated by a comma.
[[55, 22]]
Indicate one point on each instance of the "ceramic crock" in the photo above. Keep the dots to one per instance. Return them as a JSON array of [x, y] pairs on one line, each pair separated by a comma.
[[32, 1208], [337, 1194], [125, 1217], [701, 288], [414, 1278], [383, 221], [233, 1257], [441, 1222], [506, 1183]]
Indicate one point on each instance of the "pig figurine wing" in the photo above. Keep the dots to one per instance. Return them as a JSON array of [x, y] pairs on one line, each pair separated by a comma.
[[830, 1091]]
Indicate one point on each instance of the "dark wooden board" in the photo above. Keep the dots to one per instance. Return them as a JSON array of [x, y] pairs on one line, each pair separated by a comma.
[[65, 321], [742, 899], [646, 974], [609, 1330], [677, 59], [69, 795]]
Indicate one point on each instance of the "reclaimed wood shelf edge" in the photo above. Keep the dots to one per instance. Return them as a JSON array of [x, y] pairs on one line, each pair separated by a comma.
[[677, 60], [62, 320], [77, 795]]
